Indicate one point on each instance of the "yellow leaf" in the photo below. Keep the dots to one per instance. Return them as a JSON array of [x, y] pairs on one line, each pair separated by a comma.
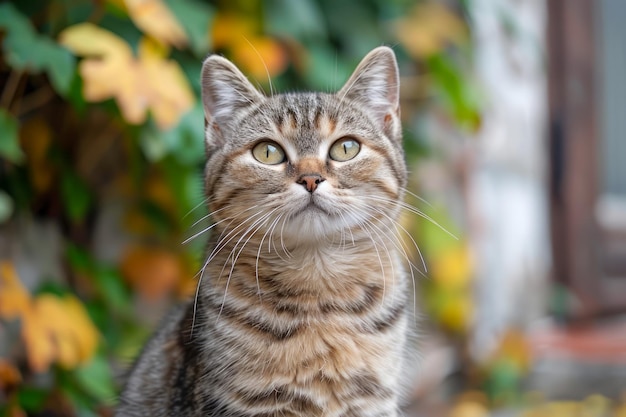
[[229, 29], [429, 28], [167, 103], [452, 267], [39, 348], [469, 409], [58, 329], [54, 329], [155, 19], [514, 348], [457, 312], [110, 70], [14, 299]]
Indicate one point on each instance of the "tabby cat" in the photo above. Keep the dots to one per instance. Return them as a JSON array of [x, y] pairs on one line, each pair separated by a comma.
[[301, 306]]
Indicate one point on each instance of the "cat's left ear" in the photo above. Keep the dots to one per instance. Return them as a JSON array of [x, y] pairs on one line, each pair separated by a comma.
[[375, 85], [225, 91]]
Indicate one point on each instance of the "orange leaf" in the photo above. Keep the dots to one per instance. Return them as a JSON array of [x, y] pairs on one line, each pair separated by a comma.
[[14, 299], [154, 18], [9, 375], [153, 272], [260, 57], [257, 55], [36, 138], [515, 348]]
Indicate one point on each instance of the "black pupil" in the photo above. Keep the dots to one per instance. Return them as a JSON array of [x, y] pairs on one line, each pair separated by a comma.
[[267, 150]]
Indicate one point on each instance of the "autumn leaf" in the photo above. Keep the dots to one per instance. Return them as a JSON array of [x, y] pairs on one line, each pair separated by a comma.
[[451, 267], [55, 329], [9, 375], [35, 140], [167, 104], [152, 272], [155, 19], [429, 28], [469, 409], [227, 25], [515, 348], [261, 56], [140, 84], [58, 329], [258, 55], [457, 312], [14, 299]]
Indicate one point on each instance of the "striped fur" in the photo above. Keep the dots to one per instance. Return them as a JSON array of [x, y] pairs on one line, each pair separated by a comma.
[[301, 304]]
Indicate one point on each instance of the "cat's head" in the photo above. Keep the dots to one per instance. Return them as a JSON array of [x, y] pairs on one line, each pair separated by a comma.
[[304, 165]]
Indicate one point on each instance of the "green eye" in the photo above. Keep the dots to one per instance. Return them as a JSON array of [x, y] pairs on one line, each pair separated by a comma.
[[268, 153], [344, 149]]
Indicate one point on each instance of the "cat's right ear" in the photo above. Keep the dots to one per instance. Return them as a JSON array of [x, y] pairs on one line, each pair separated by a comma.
[[225, 90]]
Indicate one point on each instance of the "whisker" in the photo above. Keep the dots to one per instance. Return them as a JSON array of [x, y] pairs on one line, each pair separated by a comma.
[[413, 210], [200, 204], [269, 79]]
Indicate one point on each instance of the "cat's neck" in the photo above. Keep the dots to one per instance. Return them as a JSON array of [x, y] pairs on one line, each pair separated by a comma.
[[333, 264]]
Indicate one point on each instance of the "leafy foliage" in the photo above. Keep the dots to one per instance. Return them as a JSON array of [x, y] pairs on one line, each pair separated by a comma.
[[101, 157]]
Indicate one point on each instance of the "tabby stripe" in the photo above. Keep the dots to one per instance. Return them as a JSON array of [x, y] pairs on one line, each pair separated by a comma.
[[279, 398], [182, 396], [369, 386], [390, 162], [371, 296], [385, 323], [255, 323], [293, 118]]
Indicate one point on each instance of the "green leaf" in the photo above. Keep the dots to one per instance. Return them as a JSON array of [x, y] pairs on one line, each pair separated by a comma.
[[186, 140], [152, 144], [76, 196], [79, 259], [112, 289], [6, 206], [32, 399], [300, 18], [108, 281], [96, 379], [324, 61], [9, 139], [455, 91], [196, 18], [27, 50]]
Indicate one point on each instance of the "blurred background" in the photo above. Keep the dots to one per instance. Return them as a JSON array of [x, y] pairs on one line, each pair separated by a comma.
[[514, 121]]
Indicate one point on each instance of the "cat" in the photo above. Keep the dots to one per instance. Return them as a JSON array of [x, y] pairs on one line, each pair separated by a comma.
[[301, 306]]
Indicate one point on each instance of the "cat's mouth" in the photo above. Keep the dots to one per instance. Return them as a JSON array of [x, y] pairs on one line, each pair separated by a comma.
[[314, 205]]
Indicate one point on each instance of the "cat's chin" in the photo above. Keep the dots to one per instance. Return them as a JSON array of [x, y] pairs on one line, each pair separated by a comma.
[[311, 224]]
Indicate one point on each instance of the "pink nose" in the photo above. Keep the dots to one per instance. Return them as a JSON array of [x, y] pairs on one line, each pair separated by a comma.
[[310, 181]]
